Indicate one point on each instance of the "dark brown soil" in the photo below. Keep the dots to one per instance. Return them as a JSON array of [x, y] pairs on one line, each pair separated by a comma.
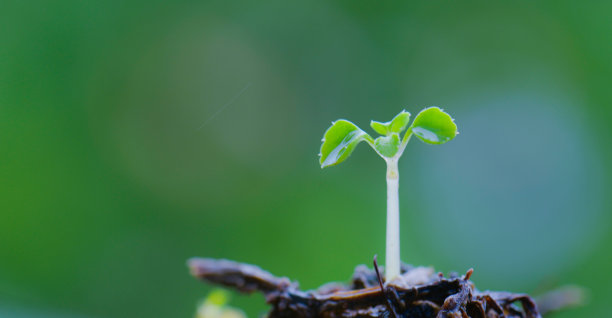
[[418, 293]]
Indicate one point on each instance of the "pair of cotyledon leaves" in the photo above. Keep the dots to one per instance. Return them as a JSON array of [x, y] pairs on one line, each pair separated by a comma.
[[431, 125]]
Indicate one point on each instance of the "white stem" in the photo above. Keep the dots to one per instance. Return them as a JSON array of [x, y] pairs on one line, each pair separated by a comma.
[[392, 266]]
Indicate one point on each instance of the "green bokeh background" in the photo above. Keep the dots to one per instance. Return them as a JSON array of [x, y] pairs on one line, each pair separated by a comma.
[[136, 135]]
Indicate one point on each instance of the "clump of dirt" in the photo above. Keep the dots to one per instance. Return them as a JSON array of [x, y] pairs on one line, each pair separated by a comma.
[[419, 292]]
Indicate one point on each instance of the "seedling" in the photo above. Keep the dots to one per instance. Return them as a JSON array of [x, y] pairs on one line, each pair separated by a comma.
[[431, 125], [417, 292]]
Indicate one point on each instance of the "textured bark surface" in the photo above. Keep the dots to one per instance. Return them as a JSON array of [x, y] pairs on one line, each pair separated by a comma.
[[417, 293]]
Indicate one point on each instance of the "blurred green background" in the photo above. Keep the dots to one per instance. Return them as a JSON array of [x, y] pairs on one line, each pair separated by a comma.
[[136, 135]]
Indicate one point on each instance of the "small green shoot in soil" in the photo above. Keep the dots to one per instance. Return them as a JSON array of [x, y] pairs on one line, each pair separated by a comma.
[[431, 125]]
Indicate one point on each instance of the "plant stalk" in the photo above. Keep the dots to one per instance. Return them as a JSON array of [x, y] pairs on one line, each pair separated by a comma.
[[392, 266]]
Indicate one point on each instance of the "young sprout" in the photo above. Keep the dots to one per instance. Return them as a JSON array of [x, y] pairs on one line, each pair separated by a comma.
[[215, 306], [431, 125]]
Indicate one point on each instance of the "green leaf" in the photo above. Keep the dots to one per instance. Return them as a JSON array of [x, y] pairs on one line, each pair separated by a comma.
[[396, 125], [434, 126], [387, 145], [399, 122], [339, 141], [381, 128]]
